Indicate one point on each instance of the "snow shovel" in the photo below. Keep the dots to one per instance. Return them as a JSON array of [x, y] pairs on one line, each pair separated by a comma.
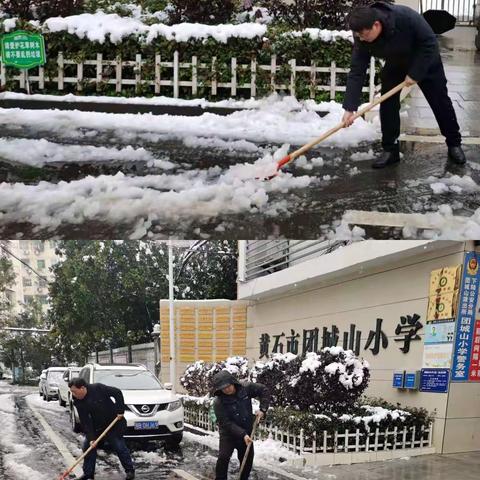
[[247, 451], [92, 446], [292, 156]]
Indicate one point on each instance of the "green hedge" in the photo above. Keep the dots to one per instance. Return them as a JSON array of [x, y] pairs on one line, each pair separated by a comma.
[[303, 49]]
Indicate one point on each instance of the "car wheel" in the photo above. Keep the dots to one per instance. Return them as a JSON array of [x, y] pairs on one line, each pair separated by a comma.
[[47, 397], [477, 41], [61, 402], [40, 393], [174, 441]]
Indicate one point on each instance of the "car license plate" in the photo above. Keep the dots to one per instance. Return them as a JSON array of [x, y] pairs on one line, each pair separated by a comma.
[[145, 425]]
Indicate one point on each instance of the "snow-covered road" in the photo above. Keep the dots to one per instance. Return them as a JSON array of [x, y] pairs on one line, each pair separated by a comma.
[[71, 174], [27, 451]]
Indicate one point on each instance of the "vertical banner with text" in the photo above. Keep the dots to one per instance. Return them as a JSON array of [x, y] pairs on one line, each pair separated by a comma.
[[466, 333]]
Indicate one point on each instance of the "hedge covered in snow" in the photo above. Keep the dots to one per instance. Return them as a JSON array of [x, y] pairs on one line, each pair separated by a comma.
[[319, 392], [81, 37]]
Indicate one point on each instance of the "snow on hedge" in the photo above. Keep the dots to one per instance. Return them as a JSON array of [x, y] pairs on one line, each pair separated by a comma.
[[100, 26], [323, 34]]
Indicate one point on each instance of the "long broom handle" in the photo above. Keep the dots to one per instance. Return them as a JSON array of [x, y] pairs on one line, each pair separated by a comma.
[[92, 446], [341, 125], [247, 451]]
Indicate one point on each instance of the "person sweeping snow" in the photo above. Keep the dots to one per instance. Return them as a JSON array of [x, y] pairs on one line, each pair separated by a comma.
[[233, 409], [409, 46], [96, 410]]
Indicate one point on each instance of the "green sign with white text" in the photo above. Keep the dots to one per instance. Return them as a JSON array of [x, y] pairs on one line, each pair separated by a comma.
[[23, 49]]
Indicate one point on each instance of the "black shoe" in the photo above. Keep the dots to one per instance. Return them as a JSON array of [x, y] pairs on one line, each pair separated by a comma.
[[130, 475], [387, 158], [456, 155], [85, 477]]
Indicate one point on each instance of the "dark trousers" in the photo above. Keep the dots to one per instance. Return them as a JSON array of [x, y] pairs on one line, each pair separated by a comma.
[[434, 88], [120, 448], [227, 446]]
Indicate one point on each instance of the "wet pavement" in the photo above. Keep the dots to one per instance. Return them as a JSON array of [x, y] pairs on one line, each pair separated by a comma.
[[462, 68]]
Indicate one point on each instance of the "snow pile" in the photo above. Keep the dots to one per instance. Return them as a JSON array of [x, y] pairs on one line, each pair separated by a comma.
[[376, 415], [41, 152], [351, 369], [100, 26], [10, 24], [454, 184], [237, 366], [324, 35], [360, 156], [184, 32]]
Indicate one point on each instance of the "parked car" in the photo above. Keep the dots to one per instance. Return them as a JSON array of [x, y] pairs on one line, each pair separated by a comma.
[[64, 395], [152, 411], [50, 387], [41, 382]]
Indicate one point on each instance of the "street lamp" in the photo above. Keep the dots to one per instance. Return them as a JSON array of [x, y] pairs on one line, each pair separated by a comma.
[[156, 342], [173, 360]]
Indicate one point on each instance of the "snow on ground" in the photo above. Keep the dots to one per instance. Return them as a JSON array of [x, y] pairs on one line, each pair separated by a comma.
[[41, 152], [15, 454], [37, 402], [289, 102], [266, 451], [276, 121], [454, 184]]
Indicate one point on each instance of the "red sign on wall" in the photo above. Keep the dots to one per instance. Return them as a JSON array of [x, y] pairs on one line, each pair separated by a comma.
[[474, 371]]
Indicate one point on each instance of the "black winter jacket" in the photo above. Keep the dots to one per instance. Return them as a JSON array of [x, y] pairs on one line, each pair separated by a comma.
[[234, 412], [97, 410], [407, 41]]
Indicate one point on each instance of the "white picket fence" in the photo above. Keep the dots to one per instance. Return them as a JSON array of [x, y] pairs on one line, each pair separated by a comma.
[[323, 442], [173, 80]]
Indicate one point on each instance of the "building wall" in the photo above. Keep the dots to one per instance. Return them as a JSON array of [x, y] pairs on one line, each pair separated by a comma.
[[209, 330], [40, 255], [388, 292]]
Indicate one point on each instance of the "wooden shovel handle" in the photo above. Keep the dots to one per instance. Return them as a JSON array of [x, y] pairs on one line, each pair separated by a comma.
[[341, 125], [92, 446], [247, 451]]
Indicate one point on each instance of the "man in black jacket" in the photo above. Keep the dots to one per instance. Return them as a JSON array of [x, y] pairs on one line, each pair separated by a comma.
[[96, 410], [404, 39], [233, 409]]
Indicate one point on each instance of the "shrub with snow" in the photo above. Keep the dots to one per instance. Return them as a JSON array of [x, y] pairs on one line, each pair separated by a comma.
[[197, 379], [331, 380], [276, 374]]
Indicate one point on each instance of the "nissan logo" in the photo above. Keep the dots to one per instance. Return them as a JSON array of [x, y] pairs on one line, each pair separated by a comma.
[[145, 408]]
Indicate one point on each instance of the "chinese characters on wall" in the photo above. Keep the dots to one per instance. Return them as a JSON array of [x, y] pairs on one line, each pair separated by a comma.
[[311, 340]]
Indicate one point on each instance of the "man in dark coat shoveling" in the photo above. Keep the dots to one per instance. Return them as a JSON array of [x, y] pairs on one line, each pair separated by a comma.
[[96, 410], [233, 409], [406, 41]]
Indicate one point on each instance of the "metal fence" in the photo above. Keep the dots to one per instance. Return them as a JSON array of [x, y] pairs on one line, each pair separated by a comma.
[[263, 257], [463, 10], [350, 441], [170, 76]]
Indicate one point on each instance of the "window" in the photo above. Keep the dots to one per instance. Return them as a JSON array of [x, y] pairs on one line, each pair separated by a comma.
[[43, 299], [38, 246], [42, 283], [28, 299], [41, 264], [27, 282]]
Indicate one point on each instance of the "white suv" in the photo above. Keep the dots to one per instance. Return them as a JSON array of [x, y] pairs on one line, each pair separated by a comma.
[[152, 412], [50, 387]]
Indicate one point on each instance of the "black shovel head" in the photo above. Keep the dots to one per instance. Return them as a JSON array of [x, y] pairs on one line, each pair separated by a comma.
[[440, 20]]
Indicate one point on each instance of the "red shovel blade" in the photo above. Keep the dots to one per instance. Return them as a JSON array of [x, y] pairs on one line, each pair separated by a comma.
[[280, 164]]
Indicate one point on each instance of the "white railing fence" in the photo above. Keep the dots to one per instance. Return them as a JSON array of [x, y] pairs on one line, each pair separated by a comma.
[[324, 442], [113, 72]]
